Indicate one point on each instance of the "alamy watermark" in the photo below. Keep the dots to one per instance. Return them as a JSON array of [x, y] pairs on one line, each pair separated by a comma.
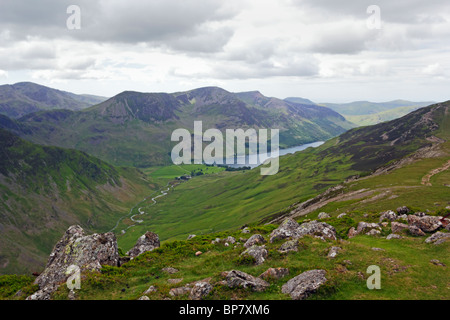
[[374, 281], [235, 154], [73, 22], [374, 20], [74, 280]]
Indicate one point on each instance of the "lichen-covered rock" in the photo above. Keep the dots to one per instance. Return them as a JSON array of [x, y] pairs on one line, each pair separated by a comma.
[[239, 279], [317, 229], [403, 210], [416, 231], [259, 253], [333, 252], [425, 223], [364, 227], [397, 227], [275, 273], [290, 245], [287, 229], [305, 284], [388, 215], [253, 240], [86, 252], [323, 215], [200, 290], [438, 238], [147, 242]]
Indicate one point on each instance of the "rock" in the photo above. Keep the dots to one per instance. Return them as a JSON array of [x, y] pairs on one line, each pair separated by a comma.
[[169, 270], [236, 279], [226, 244], [364, 227], [351, 233], [416, 231], [305, 284], [290, 245], [253, 240], [198, 253], [373, 232], [333, 252], [231, 240], [147, 242], [438, 238], [397, 227], [175, 292], [377, 249], [174, 281], [323, 215], [144, 298], [217, 240], [151, 289], [274, 273], [200, 290], [425, 223], [317, 229], [341, 215], [388, 215], [437, 263], [403, 210], [420, 214], [191, 236], [384, 224], [86, 252], [259, 253], [286, 229], [245, 230], [394, 236]]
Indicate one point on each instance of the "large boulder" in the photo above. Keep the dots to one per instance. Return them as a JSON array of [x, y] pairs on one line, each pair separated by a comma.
[[259, 253], [317, 229], [200, 290], [397, 227], [239, 279], [403, 210], [288, 246], [305, 284], [287, 229], [147, 242], [438, 238], [78, 251], [425, 223], [253, 240], [388, 215], [364, 228]]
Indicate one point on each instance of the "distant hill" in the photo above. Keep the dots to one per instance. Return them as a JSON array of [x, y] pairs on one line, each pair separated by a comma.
[[46, 189], [368, 113], [23, 98], [134, 128], [299, 100]]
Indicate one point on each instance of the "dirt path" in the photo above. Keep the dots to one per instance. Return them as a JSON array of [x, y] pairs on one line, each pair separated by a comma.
[[427, 177]]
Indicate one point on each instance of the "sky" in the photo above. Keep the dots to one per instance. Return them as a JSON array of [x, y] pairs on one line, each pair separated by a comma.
[[323, 50]]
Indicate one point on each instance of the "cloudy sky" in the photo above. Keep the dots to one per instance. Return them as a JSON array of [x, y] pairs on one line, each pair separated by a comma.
[[324, 50]]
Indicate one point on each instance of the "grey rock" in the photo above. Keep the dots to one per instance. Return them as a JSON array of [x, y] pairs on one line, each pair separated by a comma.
[[151, 289], [200, 290], [175, 292], [259, 253], [287, 229], [275, 273], [87, 252], [377, 249], [373, 232], [438, 238], [254, 239], [144, 298], [245, 230], [403, 210], [305, 284], [388, 215], [231, 240], [364, 227], [290, 245], [333, 252], [425, 223], [416, 231], [169, 270], [191, 236], [147, 242], [341, 215], [437, 263], [236, 279], [323, 215], [397, 227], [394, 236], [317, 229]]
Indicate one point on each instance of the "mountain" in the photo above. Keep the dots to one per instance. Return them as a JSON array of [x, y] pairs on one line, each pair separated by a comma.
[[134, 128], [212, 203], [46, 189], [367, 113], [23, 98], [299, 100]]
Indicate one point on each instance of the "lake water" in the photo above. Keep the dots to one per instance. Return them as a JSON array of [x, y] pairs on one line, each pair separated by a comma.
[[257, 161]]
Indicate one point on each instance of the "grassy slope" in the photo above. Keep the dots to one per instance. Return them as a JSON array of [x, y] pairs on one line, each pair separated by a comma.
[[46, 189], [229, 200]]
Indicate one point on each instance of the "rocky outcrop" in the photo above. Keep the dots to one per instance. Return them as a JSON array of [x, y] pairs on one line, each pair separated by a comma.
[[403, 210], [239, 279], [78, 251], [287, 229], [259, 253], [388, 215], [305, 284], [291, 229], [148, 242], [397, 227], [425, 223], [200, 290], [364, 228], [254, 240], [438, 238], [416, 231]]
